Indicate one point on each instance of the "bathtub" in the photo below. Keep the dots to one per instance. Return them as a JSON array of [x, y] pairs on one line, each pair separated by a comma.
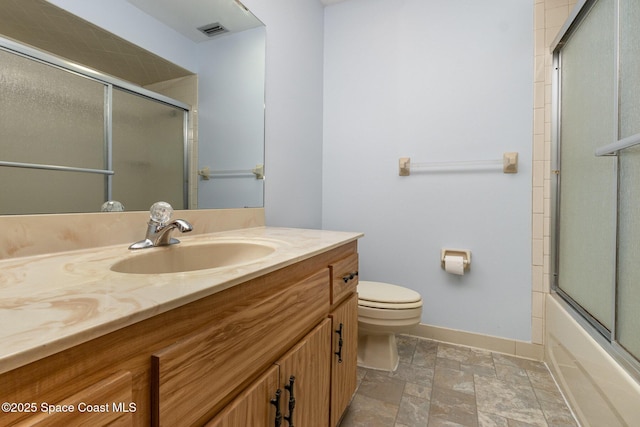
[[600, 392]]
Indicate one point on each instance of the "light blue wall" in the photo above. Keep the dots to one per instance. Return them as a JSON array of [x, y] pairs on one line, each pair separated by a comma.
[[293, 160], [231, 117], [434, 80]]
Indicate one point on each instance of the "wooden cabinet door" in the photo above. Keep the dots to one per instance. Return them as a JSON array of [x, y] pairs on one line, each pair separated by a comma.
[[253, 406], [191, 378], [344, 362], [305, 369]]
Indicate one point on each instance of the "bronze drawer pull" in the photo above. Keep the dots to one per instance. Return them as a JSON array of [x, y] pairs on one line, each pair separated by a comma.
[[349, 276]]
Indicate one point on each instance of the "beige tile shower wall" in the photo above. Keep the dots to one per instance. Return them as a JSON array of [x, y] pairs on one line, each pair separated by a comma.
[[549, 17], [185, 89]]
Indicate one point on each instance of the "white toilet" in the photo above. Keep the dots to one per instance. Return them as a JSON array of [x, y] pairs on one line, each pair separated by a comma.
[[383, 311]]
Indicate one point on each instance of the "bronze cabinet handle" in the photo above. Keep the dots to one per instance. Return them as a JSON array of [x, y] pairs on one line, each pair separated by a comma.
[[340, 343], [276, 402], [292, 400], [349, 276]]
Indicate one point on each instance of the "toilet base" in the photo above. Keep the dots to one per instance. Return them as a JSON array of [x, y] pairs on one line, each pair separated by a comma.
[[378, 351]]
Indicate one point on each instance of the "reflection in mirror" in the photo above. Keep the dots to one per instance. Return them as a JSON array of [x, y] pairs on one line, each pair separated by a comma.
[[231, 121], [226, 97], [34, 131], [72, 142], [149, 155]]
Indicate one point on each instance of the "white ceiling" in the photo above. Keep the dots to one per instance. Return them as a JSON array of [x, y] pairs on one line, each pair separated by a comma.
[[185, 16], [329, 2]]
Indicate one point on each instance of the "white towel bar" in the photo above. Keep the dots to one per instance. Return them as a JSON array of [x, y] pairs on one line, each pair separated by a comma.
[[257, 173], [508, 164]]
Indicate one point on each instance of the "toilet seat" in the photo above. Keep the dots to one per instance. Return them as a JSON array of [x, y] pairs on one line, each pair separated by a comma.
[[385, 296], [382, 315]]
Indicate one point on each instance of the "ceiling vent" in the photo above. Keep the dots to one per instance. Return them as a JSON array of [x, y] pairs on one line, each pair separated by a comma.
[[212, 30]]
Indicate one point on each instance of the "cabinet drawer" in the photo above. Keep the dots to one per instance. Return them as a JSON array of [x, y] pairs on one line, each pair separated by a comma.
[[192, 378], [108, 402], [344, 277]]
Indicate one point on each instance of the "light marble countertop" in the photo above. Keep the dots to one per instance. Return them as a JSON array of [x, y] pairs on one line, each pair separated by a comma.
[[49, 303]]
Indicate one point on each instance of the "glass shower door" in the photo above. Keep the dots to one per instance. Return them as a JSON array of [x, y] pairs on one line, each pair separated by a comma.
[[149, 152], [628, 298], [50, 118], [586, 242]]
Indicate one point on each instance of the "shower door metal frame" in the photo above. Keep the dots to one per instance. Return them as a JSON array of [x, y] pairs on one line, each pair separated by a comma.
[[109, 83], [556, 167], [605, 337]]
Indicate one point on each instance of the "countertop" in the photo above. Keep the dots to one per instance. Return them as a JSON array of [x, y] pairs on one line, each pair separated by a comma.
[[49, 303]]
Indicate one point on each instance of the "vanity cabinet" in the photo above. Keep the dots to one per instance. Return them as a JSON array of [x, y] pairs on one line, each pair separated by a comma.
[[82, 409], [344, 362], [216, 361], [344, 316], [315, 378], [294, 391], [191, 377], [257, 405], [304, 379]]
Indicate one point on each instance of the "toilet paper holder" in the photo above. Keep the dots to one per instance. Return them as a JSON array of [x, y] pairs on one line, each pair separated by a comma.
[[465, 254]]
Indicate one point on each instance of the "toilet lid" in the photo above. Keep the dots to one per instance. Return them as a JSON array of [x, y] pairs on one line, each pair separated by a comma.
[[385, 293]]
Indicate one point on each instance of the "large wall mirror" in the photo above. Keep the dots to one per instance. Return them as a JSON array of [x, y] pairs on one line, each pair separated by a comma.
[[87, 116]]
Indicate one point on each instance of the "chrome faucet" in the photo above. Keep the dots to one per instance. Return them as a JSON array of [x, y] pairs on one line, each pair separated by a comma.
[[159, 227]]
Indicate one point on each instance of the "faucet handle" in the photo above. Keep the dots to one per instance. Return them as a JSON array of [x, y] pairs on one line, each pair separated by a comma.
[[112, 206], [161, 212]]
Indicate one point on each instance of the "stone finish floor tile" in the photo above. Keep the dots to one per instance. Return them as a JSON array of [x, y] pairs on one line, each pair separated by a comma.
[[379, 385], [453, 379], [414, 411], [453, 406], [509, 399], [366, 411], [491, 420], [444, 385]]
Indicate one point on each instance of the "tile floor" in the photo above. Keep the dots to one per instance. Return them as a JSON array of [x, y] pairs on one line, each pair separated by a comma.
[[439, 384]]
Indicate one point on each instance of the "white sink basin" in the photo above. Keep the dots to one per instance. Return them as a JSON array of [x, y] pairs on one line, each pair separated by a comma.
[[182, 258]]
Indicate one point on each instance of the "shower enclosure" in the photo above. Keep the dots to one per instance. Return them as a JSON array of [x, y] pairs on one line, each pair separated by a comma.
[[597, 61], [72, 138], [592, 344]]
